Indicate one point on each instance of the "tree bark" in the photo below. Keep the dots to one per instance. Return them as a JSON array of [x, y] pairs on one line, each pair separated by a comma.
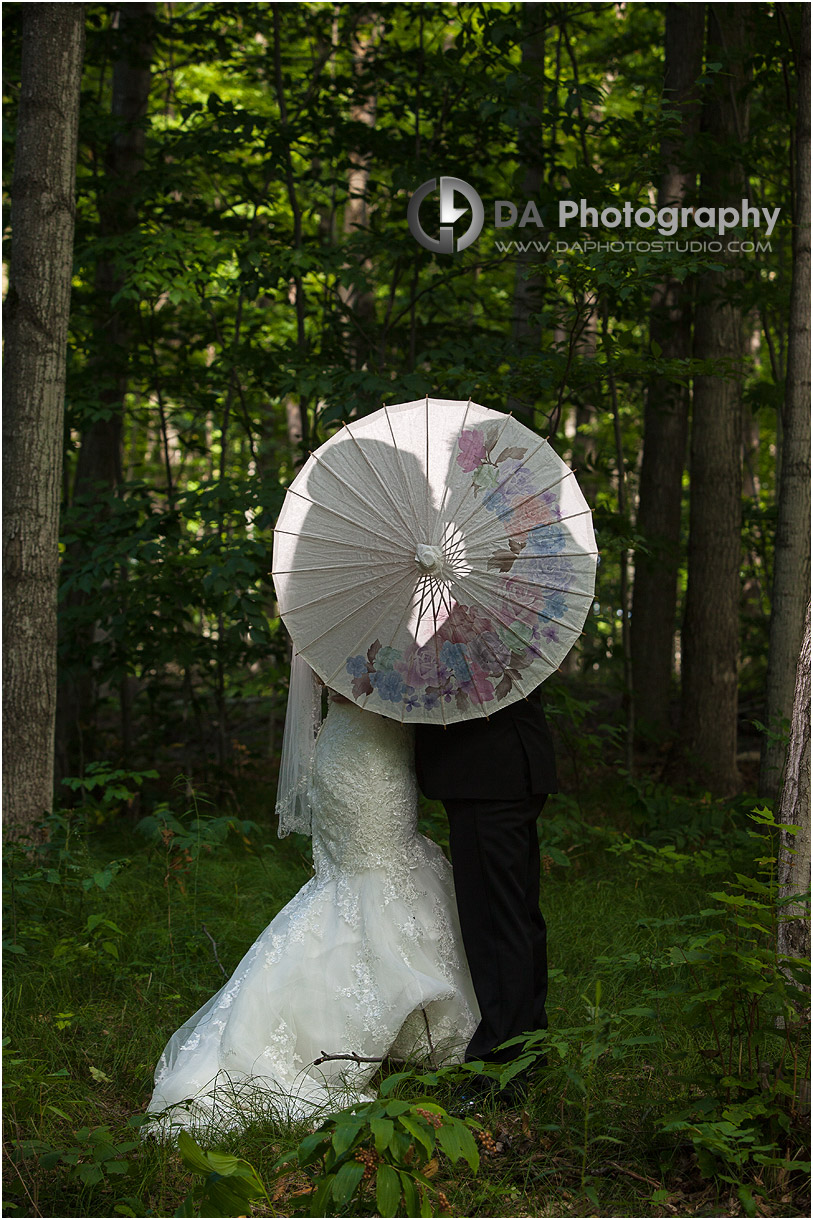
[[36, 327], [100, 453], [710, 637], [666, 413], [530, 276], [794, 810], [792, 554], [359, 302]]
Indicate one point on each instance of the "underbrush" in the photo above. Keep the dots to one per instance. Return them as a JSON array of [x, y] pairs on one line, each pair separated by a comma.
[[675, 1060]]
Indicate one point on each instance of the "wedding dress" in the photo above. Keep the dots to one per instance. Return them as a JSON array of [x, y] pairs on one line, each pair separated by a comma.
[[366, 959]]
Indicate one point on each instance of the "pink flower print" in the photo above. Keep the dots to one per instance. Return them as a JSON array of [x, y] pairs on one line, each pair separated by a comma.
[[526, 515], [471, 450], [420, 667], [521, 601]]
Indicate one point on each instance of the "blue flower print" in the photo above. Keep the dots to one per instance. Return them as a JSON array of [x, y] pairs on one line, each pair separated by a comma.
[[546, 540], [454, 658], [356, 666], [516, 479], [389, 684], [556, 606], [495, 501]]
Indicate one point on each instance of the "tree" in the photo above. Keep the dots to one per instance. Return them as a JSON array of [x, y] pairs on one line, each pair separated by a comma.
[[792, 556], [794, 810], [116, 329], [666, 413], [37, 311], [529, 277], [710, 639]]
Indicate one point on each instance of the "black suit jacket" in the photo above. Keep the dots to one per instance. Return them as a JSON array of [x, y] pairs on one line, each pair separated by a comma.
[[509, 755]]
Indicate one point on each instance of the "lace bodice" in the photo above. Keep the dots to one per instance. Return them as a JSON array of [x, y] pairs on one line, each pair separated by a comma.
[[365, 796]]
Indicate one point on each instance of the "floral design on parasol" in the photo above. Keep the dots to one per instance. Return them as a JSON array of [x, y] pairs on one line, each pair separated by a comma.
[[434, 561]]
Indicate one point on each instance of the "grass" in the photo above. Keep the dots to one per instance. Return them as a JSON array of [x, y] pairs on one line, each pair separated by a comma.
[[98, 978]]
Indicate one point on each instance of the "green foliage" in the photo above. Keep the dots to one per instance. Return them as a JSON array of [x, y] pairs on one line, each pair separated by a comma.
[[387, 1146], [95, 1157], [230, 1185], [743, 1003], [192, 833], [630, 1049]]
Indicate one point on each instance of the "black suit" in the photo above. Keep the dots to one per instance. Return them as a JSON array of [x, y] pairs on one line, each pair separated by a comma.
[[493, 777]]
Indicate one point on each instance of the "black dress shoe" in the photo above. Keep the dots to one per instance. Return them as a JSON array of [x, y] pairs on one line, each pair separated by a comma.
[[480, 1089]]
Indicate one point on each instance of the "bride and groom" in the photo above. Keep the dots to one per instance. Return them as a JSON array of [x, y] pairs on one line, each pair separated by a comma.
[[386, 951]]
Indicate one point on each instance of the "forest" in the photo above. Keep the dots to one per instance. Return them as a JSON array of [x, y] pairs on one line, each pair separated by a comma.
[[220, 247]]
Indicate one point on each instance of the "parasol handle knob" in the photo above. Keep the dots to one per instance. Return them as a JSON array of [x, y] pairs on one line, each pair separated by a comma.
[[429, 559]]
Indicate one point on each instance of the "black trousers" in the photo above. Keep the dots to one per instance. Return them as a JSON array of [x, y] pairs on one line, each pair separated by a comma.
[[495, 858]]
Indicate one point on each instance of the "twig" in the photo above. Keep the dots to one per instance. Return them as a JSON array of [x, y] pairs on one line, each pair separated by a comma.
[[428, 1034], [16, 1169], [214, 949], [354, 1058], [632, 1174]]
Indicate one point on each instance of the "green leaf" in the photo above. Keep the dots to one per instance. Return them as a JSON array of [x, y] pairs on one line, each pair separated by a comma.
[[746, 1197], [387, 1190], [396, 1108], [412, 1205], [390, 1083], [382, 1129], [346, 1181], [421, 1131], [91, 1175], [344, 1135], [457, 1141], [320, 1195], [311, 1147]]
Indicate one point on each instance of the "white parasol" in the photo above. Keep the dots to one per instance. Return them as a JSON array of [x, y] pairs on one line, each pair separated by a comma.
[[434, 561]]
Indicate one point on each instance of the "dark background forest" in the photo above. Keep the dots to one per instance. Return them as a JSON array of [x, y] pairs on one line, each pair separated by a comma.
[[241, 282]]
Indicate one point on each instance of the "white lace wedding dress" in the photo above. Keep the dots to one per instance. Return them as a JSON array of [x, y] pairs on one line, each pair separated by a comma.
[[366, 959]]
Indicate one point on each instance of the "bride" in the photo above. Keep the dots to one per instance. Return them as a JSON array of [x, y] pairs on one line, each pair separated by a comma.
[[366, 960]]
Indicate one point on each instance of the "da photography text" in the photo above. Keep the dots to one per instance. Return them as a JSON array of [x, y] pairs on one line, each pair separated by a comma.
[[666, 220]]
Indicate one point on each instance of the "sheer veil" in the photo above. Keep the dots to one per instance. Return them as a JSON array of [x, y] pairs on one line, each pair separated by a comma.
[[303, 720]]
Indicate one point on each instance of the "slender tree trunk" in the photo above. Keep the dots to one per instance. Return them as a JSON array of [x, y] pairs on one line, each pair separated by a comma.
[[666, 412], [100, 459], [710, 638], [791, 582], [529, 277], [36, 330], [794, 810], [100, 452], [359, 301]]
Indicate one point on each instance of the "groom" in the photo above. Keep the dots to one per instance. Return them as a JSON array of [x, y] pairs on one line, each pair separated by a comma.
[[493, 776]]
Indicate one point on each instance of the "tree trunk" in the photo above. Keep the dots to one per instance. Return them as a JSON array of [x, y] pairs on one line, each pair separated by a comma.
[[710, 637], [99, 460], [37, 310], [666, 412], [529, 277], [792, 556], [100, 453], [359, 302], [794, 810]]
